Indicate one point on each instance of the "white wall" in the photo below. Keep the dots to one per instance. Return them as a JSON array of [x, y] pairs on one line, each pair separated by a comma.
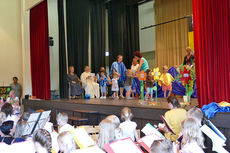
[[54, 50], [146, 18], [10, 41], [28, 4]]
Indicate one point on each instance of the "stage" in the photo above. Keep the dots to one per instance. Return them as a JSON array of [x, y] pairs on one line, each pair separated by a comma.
[[143, 111]]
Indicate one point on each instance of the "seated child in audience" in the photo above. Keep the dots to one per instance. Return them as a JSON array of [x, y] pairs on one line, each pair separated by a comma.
[[149, 84], [42, 141], [62, 121], [8, 110], [115, 120], [128, 83], [166, 81], [14, 101], [103, 82], [174, 117], [18, 135], [7, 129], [25, 116], [128, 127], [66, 142], [115, 87], [162, 146], [196, 114], [134, 68], [193, 140], [106, 133]]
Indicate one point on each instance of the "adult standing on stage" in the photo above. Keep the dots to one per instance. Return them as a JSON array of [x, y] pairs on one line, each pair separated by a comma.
[[143, 63], [189, 58], [16, 87], [119, 67]]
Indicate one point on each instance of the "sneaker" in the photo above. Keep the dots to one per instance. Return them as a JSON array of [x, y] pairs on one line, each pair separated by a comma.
[[104, 97], [128, 98], [101, 97], [146, 98], [122, 96]]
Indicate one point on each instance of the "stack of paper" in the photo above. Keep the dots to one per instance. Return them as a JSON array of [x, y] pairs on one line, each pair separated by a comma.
[[148, 140]]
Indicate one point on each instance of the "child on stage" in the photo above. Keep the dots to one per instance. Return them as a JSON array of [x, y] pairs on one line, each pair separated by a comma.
[[149, 84], [166, 81], [115, 87], [135, 81], [128, 84], [103, 82]]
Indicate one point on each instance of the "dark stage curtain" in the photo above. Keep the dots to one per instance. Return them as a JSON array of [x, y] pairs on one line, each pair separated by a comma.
[[97, 16], [123, 30], [39, 51], [64, 92], [212, 50], [77, 13]]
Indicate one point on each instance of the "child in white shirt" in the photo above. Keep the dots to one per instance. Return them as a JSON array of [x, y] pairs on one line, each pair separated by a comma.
[[128, 127], [62, 121]]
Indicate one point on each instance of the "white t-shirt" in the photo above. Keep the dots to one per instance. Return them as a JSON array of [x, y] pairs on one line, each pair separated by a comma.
[[66, 127], [192, 147], [49, 127], [134, 68], [128, 129]]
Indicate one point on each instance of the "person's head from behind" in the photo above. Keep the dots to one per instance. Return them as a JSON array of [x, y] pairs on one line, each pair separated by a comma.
[[126, 114], [62, 119], [119, 58], [20, 129], [25, 116], [173, 102], [71, 69], [106, 133], [191, 132], [188, 50], [196, 114], [87, 69], [114, 119], [7, 109], [7, 128], [165, 69], [66, 142], [42, 141], [135, 61], [149, 72], [2, 117], [15, 80], [161, 146]]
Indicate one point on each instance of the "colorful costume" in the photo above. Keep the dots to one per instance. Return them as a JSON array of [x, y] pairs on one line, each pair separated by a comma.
[[103, 82], [115, 82], [166, 81], [149, 85], [120, 69]]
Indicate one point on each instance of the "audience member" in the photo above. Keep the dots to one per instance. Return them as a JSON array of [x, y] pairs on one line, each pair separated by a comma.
[[18, 136], [196, 114], [174, 117], [128, 127], [62, 121], [14, 101], [42, 141], [162, 146], [115, 120], [8, 110], [66, 142], [7, 129]]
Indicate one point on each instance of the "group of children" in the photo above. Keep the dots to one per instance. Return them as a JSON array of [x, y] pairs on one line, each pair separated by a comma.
[[131, 82]]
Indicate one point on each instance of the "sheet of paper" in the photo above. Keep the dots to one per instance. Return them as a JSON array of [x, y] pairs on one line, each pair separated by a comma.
[[82, 138], [94, 149], [149, 129], [92, 74], [149, 139], [124, 146]]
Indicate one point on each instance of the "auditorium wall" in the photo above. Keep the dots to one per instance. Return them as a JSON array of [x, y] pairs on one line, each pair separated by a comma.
[[10, 41]]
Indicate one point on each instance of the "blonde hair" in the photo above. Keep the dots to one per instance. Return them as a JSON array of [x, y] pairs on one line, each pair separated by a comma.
[[2, 117], [126, 114], [62, 117], [195, 113], [67, 140], [191, 132], [165, 67], [114, 119], [20, 129], [106, 133], [162, 146], [43, 137]]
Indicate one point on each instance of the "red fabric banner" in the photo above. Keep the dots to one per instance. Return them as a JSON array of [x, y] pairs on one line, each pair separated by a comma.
[[39, 51], [212, 50]]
